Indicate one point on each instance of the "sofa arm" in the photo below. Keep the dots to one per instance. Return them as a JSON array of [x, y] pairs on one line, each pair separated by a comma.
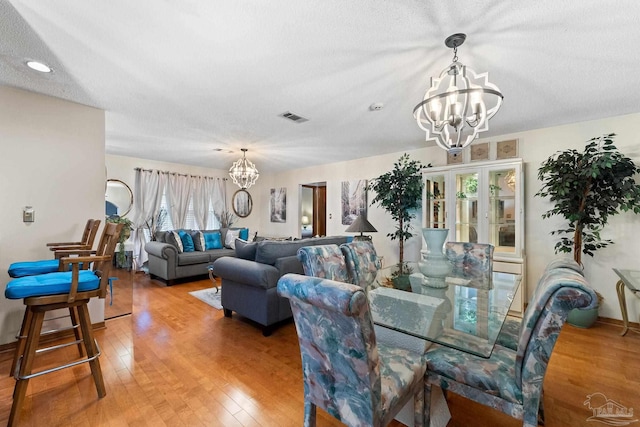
[[289, 264], [162, 250], [246, 272]]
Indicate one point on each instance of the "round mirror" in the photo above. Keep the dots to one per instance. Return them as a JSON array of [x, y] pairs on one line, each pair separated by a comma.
[[118, 198], [242, 203]]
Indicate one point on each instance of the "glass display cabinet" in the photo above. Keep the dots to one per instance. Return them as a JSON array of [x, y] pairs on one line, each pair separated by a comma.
[[481, 203]]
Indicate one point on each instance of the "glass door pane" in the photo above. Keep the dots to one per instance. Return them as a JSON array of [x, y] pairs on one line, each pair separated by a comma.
[[435, 194], [467, 207], [502, 209]]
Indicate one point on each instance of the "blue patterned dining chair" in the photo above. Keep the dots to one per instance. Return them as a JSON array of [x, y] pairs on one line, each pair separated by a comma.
[[508, 336], [471, 261], [324, 261], [511, 380], [346, 372], [362, 261], [53, 291]]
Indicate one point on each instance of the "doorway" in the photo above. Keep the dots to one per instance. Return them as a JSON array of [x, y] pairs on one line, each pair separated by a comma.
[[313, 209]]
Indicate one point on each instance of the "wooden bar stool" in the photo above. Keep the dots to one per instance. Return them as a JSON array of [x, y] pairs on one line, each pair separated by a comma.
[[66, 289]]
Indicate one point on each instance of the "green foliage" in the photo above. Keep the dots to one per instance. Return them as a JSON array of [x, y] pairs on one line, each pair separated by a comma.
[[587, 188], [399, 191], [124, 235]]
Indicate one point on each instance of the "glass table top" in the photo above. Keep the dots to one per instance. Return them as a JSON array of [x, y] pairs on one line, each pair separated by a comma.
[[631, 278], [464, 314]]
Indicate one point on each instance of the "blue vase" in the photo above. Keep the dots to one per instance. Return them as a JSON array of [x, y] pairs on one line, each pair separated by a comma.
[[435, 265]]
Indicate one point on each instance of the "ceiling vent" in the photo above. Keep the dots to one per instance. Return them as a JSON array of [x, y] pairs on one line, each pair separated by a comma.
[[294, 117]]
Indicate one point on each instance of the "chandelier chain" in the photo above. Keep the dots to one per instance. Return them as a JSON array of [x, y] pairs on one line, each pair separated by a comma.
[[455, 53]]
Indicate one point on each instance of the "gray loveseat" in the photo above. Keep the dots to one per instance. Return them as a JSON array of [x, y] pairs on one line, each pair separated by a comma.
[[249, 280], [168, 264]]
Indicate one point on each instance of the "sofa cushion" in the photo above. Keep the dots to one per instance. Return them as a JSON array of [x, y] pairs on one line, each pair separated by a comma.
[[246, 250], [187, 241], [244, 234], [212, 240], [269, 251], [198, 240], [173, 238], [190, 258]]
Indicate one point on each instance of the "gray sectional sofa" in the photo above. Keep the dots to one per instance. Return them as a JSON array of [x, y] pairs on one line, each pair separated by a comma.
[[249, 280], [167, 263]]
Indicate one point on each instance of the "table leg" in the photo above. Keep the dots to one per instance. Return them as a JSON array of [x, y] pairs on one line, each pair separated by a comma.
[[213, 280], [623, 306]]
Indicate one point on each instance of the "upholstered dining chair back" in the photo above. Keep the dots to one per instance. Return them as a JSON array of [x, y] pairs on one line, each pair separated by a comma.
[[324, 261], [362, 261], [471, 261], [511, 380], [510, 332], [344, 370]]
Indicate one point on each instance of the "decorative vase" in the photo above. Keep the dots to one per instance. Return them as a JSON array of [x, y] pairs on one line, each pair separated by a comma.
[[434, 265], [583, 318]]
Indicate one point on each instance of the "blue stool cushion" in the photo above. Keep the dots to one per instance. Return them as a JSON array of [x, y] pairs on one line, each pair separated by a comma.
[[50, 284], [32, 268]]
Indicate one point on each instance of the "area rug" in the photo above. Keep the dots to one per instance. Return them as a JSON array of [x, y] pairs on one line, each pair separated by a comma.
[[210, 295]]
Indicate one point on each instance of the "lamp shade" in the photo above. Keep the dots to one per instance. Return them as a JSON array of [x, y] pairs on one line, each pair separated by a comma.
[[360, 224]]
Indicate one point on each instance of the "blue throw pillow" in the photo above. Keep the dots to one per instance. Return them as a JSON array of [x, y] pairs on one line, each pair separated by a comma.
[[187, 241], [212, 240], [244, 234]]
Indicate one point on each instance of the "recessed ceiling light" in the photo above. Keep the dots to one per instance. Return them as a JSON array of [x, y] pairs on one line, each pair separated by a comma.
[[39, 66]]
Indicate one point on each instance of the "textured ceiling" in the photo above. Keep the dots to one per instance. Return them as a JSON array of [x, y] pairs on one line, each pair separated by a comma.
[[179, 79]]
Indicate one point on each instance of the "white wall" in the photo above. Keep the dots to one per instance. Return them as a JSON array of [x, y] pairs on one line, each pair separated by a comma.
[[52, 159]]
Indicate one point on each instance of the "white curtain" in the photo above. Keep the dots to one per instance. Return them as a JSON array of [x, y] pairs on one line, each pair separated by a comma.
[[178, 196], [149, 188], [152, 185], [218, 191]]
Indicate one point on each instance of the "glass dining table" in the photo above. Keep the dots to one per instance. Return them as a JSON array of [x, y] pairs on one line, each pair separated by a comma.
[[464, 314]]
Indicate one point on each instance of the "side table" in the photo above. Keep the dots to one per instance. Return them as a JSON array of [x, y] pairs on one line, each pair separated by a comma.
[[212, 277], [631, 280]]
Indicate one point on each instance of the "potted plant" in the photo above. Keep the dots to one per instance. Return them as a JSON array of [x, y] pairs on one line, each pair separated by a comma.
[[399, 192], [121, 258], [587, 188]]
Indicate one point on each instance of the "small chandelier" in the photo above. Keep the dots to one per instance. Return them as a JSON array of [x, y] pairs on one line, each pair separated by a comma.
[[458, 105], [243, 173]]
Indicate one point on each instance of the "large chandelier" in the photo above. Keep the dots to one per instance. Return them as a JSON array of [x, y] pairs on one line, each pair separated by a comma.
[[244, 173], [458, 105]]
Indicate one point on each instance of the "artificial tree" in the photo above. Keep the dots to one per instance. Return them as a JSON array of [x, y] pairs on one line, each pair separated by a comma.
[[587, 188], [124, 235], [399, 191]]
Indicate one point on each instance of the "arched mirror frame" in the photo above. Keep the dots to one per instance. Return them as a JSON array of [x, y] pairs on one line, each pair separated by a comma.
[[242, 203], [128, 198]]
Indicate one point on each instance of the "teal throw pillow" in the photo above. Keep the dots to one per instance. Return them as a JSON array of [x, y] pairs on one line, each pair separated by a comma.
[[244, 234], [187, 241], [212, 240]]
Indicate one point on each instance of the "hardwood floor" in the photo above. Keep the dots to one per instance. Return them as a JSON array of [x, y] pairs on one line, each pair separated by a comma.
[[177, 361]]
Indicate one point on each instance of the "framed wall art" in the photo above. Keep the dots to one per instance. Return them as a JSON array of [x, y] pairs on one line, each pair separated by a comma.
[[479, 151], [353, 200], [507, 149], [278, 204]]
